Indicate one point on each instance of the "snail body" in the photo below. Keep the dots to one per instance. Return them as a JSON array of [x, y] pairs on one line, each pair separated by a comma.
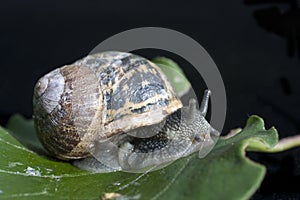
[[120, 109]]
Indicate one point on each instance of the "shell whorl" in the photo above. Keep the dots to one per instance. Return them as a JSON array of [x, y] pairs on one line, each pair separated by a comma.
[[133, 89], [61, 130], [97, 97]]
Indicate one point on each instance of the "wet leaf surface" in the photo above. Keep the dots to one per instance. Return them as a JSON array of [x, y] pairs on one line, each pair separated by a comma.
[[226, 173]]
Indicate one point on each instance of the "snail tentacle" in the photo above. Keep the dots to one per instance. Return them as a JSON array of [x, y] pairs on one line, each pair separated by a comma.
[[204, 104]]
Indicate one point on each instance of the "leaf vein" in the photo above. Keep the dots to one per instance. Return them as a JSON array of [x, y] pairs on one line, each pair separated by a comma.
[[15, 146], [172, 180], [44, 192]]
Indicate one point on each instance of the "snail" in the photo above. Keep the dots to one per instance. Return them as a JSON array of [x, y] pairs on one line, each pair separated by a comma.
[[119, 109]]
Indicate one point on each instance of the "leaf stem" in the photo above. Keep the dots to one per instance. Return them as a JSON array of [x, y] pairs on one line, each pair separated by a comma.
[[283, 145]]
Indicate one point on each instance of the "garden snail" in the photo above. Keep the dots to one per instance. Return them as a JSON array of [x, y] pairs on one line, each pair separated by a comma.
[[119, 108]]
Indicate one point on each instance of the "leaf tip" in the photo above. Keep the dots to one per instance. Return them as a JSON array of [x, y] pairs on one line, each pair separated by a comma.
[[255, 118]]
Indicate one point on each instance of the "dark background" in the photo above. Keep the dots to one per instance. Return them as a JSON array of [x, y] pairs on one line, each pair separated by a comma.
[[255, 44]]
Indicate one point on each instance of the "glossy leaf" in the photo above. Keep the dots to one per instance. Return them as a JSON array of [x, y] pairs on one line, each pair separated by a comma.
[[224, 174]]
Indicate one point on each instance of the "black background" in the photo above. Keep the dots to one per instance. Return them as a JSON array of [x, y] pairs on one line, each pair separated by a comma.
[[255, 44]]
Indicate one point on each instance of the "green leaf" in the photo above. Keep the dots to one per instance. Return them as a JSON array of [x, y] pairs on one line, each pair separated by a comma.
[[224, 174], [24, 132], [174, 74]]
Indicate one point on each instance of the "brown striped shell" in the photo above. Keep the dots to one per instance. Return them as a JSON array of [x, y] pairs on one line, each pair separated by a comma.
[[97, 97]]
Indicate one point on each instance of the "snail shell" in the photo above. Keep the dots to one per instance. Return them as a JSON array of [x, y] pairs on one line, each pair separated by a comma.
[[96, 98]]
